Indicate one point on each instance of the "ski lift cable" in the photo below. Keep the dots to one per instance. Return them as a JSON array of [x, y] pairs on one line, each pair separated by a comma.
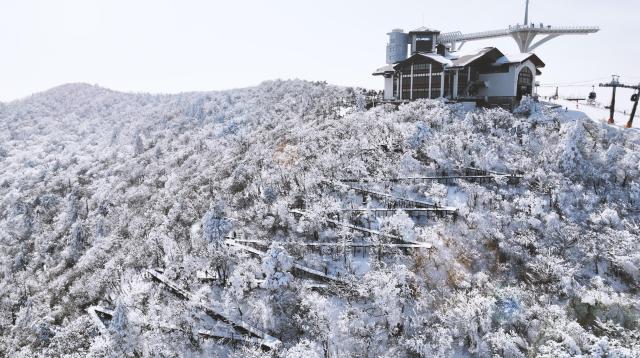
[[575, 83], [582, 83], [634, 77]]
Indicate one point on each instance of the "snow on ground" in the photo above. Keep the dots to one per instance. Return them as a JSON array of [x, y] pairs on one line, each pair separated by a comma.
[[597, 114]]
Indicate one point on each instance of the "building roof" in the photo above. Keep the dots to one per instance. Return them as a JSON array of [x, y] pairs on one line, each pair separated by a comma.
[[424, 29], [384, 69], [438, 58], [520, 58], [457, 59], [467, 59], [429, 55]]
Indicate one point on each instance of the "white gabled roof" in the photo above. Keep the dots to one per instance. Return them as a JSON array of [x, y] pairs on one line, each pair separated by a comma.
[[513, 58], [463, 59], [432, 56], [468, 51], [424, 29], [384, 69], [438, 58], [520, 58]]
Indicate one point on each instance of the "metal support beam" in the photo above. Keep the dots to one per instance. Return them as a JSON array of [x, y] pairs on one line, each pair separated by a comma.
[[544, 40], [523, 39]]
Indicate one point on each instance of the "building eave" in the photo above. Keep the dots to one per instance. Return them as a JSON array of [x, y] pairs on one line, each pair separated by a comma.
[[424, 30], [431, 56], [520, 59], [384, 70]]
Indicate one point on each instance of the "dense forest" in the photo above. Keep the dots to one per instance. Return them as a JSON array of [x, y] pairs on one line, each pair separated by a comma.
[[287, 220]]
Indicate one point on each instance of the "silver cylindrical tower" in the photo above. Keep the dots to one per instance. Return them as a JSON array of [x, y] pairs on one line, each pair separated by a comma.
[[397, 46]]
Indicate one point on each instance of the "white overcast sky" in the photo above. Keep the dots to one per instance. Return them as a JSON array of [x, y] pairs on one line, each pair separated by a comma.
[[168, 46]]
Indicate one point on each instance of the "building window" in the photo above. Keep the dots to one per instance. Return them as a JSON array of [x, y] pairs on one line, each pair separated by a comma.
[[424, 45], [496, 69], [395, 87], [420, 68]]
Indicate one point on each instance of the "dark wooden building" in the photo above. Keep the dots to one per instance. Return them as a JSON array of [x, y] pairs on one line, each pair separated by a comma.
[[484, 76]]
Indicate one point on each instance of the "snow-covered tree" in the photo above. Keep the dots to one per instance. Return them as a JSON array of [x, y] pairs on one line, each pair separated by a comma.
[[276, 266]]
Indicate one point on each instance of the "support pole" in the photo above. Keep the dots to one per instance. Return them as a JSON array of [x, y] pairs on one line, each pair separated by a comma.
[[612, 108], [430, 74], [633, 111], [454, 95], [411, 84], [615, 83]]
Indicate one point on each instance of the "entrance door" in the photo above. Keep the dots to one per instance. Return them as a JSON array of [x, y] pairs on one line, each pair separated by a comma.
[[525, 83]]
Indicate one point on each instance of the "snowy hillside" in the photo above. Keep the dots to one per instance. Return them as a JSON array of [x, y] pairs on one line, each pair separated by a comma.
[[283, 221]]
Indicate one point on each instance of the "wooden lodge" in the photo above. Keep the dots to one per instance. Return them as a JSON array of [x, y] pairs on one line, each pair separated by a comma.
[[484, 77]]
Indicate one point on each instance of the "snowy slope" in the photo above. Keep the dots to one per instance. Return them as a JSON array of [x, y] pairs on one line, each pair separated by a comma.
[[98, 186], [598, 114]]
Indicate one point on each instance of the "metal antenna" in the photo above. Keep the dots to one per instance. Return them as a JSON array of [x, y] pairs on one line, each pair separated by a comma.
[[526, 14]]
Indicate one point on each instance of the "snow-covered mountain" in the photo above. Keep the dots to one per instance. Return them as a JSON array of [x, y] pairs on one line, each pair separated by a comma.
[[444, 232]]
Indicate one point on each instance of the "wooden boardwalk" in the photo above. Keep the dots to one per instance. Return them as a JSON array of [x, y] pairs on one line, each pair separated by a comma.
[[470, 175], [219, 334], [307, 270], [478, 171], [336, 244], [387, 211], [368, 231], [263, 338], [398, 201], [230, 336], [96, 313]]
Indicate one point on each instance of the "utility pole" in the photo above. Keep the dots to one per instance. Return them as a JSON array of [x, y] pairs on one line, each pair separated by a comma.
[[634, 98], [615, 83]]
